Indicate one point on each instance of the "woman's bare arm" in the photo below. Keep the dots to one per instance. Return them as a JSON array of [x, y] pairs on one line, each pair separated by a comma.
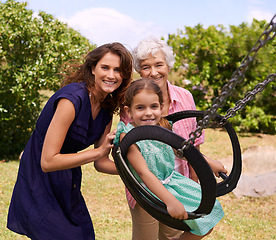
[[51, 158]]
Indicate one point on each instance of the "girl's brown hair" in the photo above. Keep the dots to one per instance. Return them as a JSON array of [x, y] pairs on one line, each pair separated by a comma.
[[137, 86], [145, 84], [84, 73]]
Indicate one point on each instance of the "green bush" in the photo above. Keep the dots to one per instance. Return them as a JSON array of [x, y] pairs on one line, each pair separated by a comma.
[[254, 119], [209, 57], [33, 50]]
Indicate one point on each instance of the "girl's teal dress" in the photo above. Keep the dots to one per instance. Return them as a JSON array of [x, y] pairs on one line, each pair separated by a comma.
[[160, 159]]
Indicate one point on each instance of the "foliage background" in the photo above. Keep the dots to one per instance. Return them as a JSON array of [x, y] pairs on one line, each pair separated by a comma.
[[33, 53], [208, 58]]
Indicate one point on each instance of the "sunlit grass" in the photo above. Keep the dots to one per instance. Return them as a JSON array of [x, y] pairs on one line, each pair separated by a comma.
[[245, 218]]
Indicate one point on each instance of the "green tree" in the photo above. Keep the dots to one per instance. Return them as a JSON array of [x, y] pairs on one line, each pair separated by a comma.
[[208, 58], [33, 50]]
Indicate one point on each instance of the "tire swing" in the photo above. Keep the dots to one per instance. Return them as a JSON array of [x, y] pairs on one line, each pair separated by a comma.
[[230, 182], [209, 186]]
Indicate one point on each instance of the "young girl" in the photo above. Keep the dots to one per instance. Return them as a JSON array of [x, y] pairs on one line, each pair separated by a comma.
[[154, 161], [153, 59]]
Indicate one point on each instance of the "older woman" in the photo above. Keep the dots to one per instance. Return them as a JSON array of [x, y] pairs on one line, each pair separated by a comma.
[[153, 59]]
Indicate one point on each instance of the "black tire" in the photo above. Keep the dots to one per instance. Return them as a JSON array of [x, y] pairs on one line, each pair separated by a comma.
[[146, 200]]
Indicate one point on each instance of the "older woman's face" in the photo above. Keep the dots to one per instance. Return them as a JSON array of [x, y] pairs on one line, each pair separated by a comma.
[[155, 68]]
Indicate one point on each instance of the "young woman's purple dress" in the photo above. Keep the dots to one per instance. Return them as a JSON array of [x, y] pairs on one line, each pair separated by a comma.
[[50, 205]]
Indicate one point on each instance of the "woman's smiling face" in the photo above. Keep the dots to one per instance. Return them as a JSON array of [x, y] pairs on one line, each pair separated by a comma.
[[107, 74], [155, 68]]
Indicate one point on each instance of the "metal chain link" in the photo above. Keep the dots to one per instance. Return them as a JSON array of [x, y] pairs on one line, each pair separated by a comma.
[[226, 91], [231, 112]]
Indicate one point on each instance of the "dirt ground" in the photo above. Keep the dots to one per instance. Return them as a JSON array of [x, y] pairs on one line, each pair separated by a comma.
[[259, 169]]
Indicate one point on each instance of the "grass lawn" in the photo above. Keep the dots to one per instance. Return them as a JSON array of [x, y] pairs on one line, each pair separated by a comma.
[[245, 218]]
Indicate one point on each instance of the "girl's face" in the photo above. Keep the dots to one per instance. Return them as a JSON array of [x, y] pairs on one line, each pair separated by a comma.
[[107, 74], [145, 109], [155, 68]]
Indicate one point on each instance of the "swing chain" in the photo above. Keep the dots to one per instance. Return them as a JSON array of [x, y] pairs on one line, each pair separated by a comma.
[[226, 91], [231, 112]]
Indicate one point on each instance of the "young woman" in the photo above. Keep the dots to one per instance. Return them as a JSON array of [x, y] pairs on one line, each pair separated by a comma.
[[153, 164], [47, 202]]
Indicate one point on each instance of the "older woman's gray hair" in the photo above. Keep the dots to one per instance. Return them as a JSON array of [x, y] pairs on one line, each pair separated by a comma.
[[152, 45]]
